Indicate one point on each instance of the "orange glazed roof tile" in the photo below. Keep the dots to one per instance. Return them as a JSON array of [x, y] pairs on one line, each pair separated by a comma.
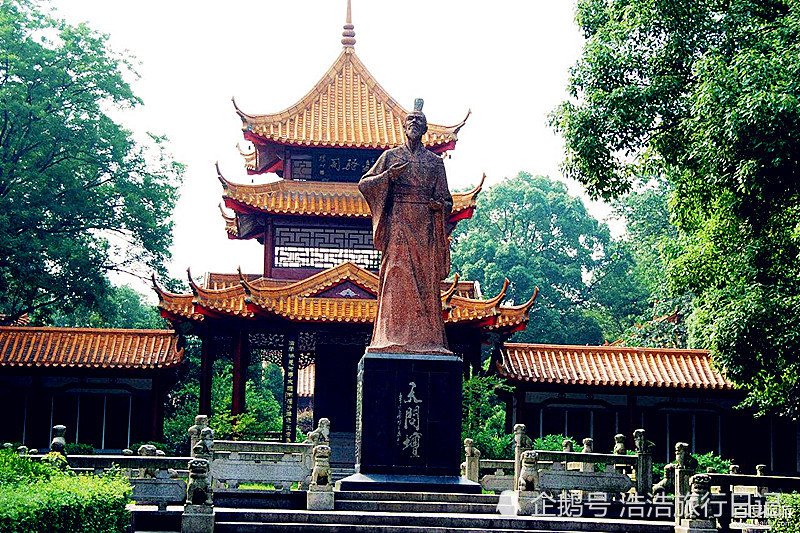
[[298, 301], [88, 348], [610, 366], [216, 280], [314, 284], [346, 108], [321, 198]]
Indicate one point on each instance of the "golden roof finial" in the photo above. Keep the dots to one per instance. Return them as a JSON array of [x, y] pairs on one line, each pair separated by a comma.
[[348, 35]]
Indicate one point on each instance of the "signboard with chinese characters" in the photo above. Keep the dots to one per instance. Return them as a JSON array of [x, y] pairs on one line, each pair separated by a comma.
[[409, 428], [341, 165]]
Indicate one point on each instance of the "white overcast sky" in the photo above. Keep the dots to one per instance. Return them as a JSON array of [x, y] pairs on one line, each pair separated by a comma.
[[507, 60]]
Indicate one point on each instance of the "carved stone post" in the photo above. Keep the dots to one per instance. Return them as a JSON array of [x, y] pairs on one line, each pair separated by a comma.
[[588, 447], [685, 468], [200, 422], [473, 459], [527, 487], [644, 463], [619, 449], [695, 516], [204, 447], [521, 443], [320, 491], [198, 513], [59, 442], [761, 470]]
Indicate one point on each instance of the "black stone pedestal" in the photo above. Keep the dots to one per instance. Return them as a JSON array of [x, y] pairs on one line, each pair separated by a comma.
[[408, 424]]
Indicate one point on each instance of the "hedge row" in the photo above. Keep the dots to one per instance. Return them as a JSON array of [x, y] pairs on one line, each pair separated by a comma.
[[35, 498]]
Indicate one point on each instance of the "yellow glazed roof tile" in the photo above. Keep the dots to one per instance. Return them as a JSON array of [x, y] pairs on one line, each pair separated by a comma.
[[335, 199], [610, 366], [88, 348], [298, 301], [346, 108]]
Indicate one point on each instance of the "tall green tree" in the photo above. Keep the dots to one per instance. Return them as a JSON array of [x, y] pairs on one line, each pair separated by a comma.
[[123, 307], [80, 196], [530, 230], [706, 94]]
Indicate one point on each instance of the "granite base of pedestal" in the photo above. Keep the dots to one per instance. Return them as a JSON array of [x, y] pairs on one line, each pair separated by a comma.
[[320, 500], [408, 424], [696, 526], [197, 519]]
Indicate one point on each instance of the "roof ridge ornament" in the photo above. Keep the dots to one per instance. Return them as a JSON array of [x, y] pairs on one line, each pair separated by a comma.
[[418, 103], [348, 35]]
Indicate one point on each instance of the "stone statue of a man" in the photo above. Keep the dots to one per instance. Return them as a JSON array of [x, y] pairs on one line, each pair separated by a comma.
[[407, 193]]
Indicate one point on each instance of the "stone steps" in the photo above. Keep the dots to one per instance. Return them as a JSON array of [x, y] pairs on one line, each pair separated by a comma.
[[259, 520], [338, 528], [401, 506], [416, 502], [418, 496]]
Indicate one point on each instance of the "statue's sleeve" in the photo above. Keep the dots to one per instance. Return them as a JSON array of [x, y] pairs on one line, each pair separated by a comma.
[[374, 186], [441, 192]]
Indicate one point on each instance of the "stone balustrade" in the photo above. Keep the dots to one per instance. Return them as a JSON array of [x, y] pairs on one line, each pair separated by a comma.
[[714, 500], [563, 470]]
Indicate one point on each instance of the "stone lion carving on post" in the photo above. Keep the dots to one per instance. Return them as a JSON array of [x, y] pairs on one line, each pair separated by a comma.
[[321, 434], [321, 474], [198, 490], [697, 504], [204, 447], [528, 475], [667, 483]]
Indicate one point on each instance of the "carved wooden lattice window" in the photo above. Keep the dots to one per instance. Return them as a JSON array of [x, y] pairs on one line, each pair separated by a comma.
[[318, 247], [268, 347]]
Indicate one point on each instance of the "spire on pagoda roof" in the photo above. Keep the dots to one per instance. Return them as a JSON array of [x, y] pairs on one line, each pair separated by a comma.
[[347, 108], [348, 35]]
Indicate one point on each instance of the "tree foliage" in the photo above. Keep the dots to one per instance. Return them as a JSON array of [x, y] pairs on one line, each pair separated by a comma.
[[530, 230], [662, 309], [122, 307], [705, 94], [80, 196], [484, 417], [183, 401]]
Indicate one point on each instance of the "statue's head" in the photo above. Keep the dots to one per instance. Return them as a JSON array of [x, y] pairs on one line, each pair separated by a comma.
[[416, 124]]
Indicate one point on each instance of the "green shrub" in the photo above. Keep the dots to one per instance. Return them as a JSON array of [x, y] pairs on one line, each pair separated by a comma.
[[77, 504], [790, 523], [710, 460], [554, 443], [78, 448], [36, 497], [18, 469], [492, 440]]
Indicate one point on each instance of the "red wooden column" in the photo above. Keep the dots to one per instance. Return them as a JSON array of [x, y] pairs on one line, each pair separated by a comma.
[[206, 372], [240, 360]]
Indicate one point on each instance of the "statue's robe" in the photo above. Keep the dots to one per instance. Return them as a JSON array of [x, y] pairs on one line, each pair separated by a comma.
[[412, 239]]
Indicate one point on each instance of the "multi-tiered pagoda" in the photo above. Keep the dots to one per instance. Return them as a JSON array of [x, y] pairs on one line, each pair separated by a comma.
[[315, 301]]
